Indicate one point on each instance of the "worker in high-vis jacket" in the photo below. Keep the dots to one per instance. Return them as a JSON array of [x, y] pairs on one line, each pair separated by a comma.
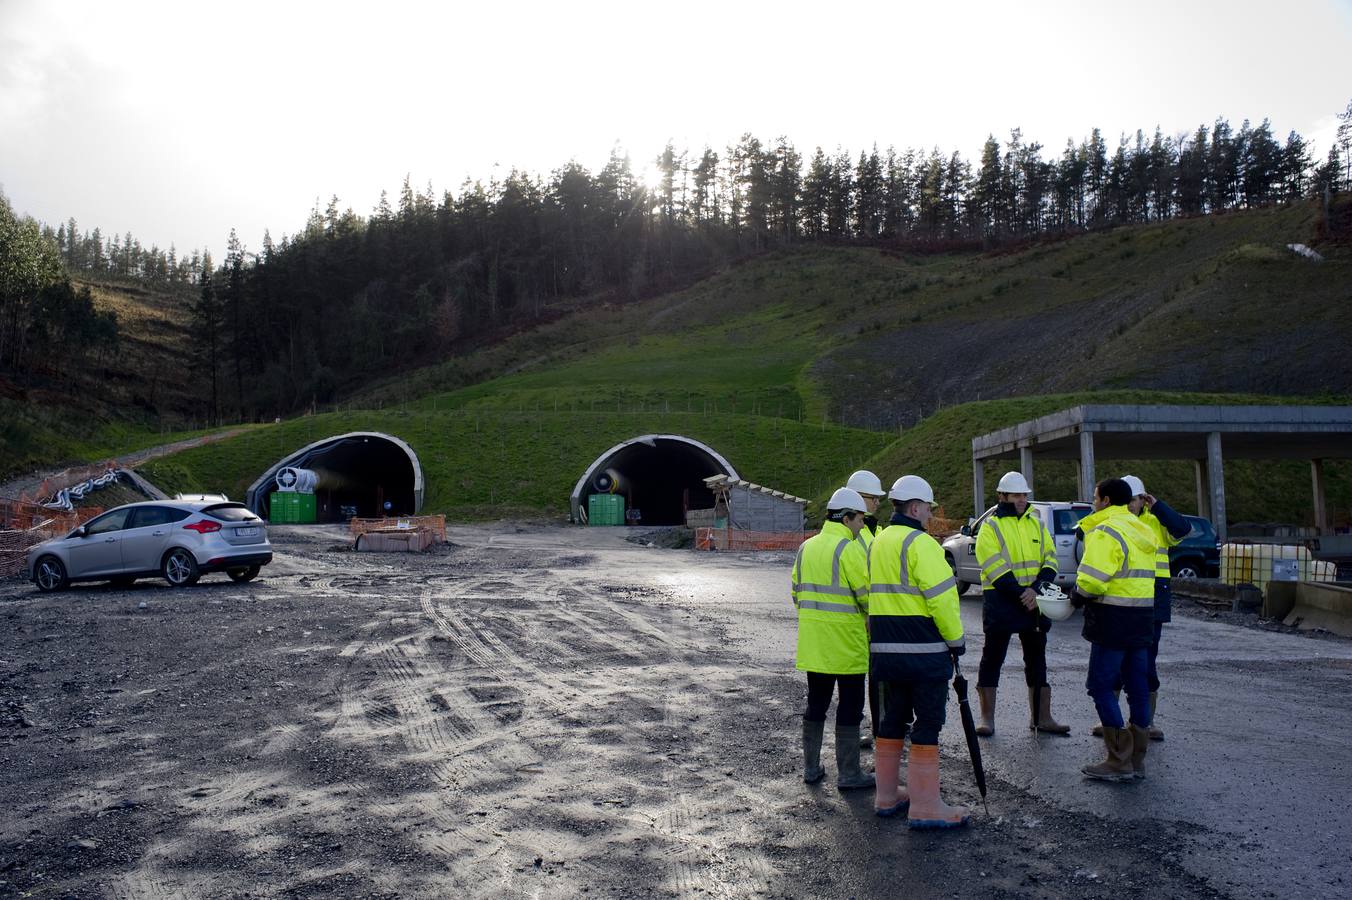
[[829, 582], [914, 633], [871, 489], [1115, 585], [1017, 557], [1169, 527]]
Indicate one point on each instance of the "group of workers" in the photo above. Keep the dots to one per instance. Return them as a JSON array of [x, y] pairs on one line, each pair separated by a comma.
[[878, 617]]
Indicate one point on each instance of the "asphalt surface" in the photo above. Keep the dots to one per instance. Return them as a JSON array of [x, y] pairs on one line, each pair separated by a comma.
[[556, 712]]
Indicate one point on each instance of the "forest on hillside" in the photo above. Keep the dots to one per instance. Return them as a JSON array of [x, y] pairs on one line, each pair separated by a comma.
[[350, 297]]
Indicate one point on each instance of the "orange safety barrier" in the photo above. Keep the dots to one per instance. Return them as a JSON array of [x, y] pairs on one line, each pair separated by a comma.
[[436, 525], [24, 525]]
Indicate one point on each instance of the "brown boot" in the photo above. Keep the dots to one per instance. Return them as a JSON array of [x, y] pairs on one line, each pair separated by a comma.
[[1097, 730], [1156, 733], [986, 727], [1117, 767], [1040, 709], [1140, 741], [927, 809]]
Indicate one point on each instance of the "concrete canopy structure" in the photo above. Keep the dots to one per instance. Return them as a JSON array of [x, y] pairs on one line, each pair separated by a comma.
[[1204, 434], [361, 469]]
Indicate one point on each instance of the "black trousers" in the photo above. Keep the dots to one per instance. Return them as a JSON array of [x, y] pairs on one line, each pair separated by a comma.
[[925, 701], [1034, 657], [821, 686]]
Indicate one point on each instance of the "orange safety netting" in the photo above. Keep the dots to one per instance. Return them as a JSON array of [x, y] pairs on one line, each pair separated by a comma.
[[434, 524], [737, 539], [24, 524]]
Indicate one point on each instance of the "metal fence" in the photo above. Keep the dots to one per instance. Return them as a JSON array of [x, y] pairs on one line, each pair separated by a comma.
[[24, 525]]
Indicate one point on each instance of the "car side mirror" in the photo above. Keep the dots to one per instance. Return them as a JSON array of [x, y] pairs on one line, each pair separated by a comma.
[[966, 530], [80, 531]]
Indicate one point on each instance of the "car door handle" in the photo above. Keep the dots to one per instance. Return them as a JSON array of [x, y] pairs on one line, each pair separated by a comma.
[[157, 533], [111, 540]]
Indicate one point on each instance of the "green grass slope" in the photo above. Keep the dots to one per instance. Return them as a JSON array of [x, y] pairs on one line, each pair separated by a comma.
[[940, 450], [489, 463]]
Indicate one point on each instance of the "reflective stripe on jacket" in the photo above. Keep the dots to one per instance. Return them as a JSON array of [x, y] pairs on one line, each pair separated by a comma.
[[913, 605], [1014, 551], [829, 583], [1117, 574]]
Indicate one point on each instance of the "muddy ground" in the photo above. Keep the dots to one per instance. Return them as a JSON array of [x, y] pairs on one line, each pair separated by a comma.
[[537, 712]]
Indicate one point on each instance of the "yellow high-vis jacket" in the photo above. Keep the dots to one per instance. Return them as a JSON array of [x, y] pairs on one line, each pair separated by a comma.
[[829, 582], [914, 623], [1117, 575]]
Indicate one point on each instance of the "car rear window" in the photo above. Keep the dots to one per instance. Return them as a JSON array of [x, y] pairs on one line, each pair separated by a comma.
[[229, 512], [145, 516], [1068, 519]]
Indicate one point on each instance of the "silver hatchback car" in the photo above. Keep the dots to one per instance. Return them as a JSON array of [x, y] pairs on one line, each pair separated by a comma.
[[177, 540]]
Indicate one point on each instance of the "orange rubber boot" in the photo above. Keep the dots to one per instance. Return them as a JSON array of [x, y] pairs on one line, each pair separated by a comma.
[[888, 799], [922, 779]]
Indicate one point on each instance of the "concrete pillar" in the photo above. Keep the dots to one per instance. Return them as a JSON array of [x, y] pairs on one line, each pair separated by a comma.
[[1215, 465], [978, 487], [1203, 489], [1087, 480], [1026, 465], [1321, 516]]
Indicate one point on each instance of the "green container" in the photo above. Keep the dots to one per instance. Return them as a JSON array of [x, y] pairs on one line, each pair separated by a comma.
[[292, 508], [305, 510], [605, 509]]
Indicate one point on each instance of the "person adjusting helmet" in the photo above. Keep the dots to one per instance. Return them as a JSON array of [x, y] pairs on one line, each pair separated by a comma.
[[914, 631], [829, 585], [1017, 558], [871, 489], [1169, 528], [1115, 584]]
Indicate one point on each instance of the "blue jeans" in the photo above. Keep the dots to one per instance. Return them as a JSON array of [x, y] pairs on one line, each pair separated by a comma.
[[1152, 673], [1107, 669]]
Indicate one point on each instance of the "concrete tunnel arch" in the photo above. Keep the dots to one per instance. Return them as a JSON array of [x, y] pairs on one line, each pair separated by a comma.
[[658, 474], [359, 469]]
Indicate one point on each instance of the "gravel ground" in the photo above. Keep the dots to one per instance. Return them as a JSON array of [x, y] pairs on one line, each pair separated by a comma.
[[513, 714]]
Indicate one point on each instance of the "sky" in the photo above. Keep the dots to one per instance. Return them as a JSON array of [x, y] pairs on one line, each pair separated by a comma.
[[180, 121]]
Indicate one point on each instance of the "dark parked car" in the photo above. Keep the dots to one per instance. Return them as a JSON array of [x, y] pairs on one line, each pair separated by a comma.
[[1199, 554]]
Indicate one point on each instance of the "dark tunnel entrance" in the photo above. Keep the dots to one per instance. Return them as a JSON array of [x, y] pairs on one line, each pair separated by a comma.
[[365, 475], [660, 477]]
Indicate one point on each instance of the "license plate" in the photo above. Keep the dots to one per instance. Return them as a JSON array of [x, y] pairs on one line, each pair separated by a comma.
[[246, 532]]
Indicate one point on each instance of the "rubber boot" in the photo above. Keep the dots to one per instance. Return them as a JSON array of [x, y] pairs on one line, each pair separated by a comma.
[[1140, 742], [1040, 712], [848, 774], [1117, 767], [889, 799], [986, 697], [1097, 730], [812, 752], [1156, 733], [922, 783]]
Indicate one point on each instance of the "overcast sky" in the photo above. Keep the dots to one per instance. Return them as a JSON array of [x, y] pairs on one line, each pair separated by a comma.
[[179, 121]]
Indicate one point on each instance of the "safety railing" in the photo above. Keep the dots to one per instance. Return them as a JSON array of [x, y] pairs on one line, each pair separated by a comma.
[[737, 539]]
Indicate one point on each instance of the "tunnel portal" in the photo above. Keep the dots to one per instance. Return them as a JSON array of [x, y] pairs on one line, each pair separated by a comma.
[[659, 475], [358, 473]]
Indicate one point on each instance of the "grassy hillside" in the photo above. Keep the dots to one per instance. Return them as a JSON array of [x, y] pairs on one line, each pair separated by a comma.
[[493, 463], [940, 449]]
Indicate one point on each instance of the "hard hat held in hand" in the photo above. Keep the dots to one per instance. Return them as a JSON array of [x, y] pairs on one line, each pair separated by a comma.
[[847, 499], [1137, 486], [1053, 603], [1013, 483], [911, 487], [865, 482]]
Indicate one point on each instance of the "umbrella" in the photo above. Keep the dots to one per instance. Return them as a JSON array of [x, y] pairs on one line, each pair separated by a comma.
[[969, 728]]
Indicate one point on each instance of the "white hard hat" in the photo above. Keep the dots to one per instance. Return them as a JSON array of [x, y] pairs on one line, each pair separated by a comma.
[[1013, 483], [847, 499], [1053, 603], [1136, 485], [911, 487], [865, 482]]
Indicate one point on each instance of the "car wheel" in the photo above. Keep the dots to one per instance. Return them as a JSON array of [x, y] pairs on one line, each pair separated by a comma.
[[962, 586], [180, 568], [123, 581], [1187, 570], [243, 575], [50, 575]]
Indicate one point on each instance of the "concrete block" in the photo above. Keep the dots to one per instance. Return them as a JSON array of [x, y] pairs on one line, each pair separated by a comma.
[[1325, 606], [1279, 598]]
